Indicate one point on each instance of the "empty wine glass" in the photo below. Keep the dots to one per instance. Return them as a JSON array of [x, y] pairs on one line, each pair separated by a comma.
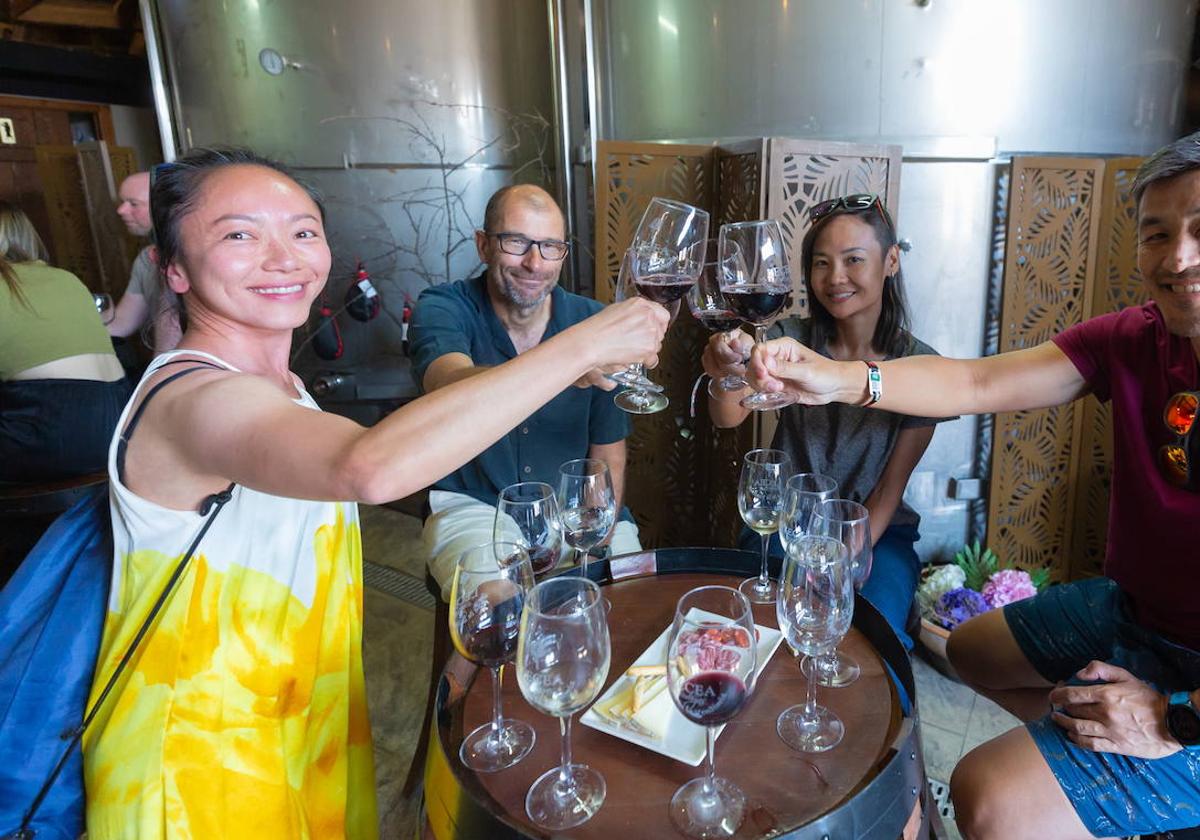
[[814, 608], [587, 505], [491, 582], [800, 497], [848, 523], [711, 670], [667, 256], [104, 305], [757, 282], [562, 663], [633, 376], [760, 501], [527, 513]]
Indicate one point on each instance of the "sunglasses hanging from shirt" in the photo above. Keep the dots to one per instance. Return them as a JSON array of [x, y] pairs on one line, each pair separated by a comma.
[[1179, 459]]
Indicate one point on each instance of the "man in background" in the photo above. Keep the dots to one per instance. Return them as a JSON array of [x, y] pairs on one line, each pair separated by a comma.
[[459, 329], [146, 300]]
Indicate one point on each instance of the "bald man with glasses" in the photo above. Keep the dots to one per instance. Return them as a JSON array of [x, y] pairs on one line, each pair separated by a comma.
[[460, 329]]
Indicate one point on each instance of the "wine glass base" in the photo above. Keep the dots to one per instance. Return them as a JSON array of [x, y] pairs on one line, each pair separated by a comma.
[[634, 380], [753, 589], [720, 389], [767, 402], [717, 814], [641, 402], [485, 754], [554, 806], [843, 674], [823, 732]]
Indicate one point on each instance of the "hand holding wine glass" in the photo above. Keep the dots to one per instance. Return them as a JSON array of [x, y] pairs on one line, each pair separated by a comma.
[[760, 501], [633, 376], [814, 608], [587, 505], [850, 524], [711, 670], [562, 662], [487, 594], [757, 282], [666, 257], [527, 513]]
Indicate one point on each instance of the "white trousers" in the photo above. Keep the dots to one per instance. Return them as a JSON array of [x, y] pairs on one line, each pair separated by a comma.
[[459, 522]]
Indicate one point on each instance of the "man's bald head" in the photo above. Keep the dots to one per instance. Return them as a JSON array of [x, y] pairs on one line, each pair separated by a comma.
[[134, 203], [526, 195]]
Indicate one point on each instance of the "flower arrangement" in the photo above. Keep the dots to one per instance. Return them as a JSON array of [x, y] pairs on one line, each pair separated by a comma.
[[974, 583]]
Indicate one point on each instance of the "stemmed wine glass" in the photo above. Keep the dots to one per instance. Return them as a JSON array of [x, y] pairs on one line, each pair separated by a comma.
[[711, 670], [562, 663], [667, 257], [104, 305], [760, 501], [527, 513], [848, 523], [633, 376], [709, 306], [800, 497], [756, 281], [491, 582], [587, 505], [814, 608]]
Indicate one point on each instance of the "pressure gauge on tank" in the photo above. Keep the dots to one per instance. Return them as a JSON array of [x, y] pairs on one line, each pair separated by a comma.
[[272, 61]]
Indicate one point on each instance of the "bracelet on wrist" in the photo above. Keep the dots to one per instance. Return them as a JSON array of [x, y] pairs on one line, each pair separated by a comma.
[[874, 383]]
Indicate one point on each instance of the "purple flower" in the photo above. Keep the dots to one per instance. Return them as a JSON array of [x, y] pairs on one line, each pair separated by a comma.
[[1008, 585], [957, 605]]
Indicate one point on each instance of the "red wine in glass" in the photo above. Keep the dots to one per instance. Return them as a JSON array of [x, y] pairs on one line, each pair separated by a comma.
[[711, 698], [495, 643], [756, 304], [663, 288], [717, 320], [542, 558]]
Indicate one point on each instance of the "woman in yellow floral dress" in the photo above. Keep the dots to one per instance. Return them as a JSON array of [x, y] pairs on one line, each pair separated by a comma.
[[244, 712]]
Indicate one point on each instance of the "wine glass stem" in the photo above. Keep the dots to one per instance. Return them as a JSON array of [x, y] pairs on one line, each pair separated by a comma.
[[584, 556], [762, 575], [710, 774], [564, 771], [828, 663], [810, 702], [497, 677]]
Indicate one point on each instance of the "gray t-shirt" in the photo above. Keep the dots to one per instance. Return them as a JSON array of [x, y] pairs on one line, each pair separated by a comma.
[[848, 443], [145, 280]]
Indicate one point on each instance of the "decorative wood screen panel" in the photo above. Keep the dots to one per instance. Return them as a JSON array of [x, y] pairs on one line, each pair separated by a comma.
[[1050, 256], [110, 241], [806, 172], [663, 478], [1117, 284]]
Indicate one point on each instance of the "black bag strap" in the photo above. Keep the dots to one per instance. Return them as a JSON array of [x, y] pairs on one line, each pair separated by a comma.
[[210, 508]]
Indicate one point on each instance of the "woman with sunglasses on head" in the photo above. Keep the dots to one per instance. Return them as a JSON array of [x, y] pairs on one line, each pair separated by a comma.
[[244, 713], [1105, 671], [851, 267]]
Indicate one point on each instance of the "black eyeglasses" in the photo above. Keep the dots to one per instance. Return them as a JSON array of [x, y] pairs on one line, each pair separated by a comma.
[[853, 203], [518, 245]]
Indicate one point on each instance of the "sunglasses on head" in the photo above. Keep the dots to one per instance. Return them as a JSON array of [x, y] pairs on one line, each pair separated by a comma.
[[1176, 459], [856, 203]]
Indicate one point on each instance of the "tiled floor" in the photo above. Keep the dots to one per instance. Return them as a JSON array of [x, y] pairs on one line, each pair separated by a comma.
[[954, 720], [397, 641]]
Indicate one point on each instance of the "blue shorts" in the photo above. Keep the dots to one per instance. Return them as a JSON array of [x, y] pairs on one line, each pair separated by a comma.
[[1059, 632]]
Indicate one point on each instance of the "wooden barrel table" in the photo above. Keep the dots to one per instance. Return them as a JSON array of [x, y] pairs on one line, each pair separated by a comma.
[[872, 785]]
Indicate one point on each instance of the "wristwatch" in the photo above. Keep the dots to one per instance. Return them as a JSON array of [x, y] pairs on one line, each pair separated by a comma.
[[1183, 721]]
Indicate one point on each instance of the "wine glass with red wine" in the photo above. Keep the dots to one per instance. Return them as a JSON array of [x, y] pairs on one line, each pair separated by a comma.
[[527, 513], [709, 306], [711, 668], [633, 376], [667, 256], [757, 282], [491, 582]]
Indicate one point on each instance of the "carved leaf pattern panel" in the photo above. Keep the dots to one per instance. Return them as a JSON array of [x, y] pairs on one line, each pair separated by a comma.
[[109, 239], [1050, 257], [740, 196], [664, 476], [1118, 285], [805, 173]]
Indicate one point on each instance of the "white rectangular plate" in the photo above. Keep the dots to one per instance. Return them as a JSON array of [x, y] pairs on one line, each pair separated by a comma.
[[682, 740]]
